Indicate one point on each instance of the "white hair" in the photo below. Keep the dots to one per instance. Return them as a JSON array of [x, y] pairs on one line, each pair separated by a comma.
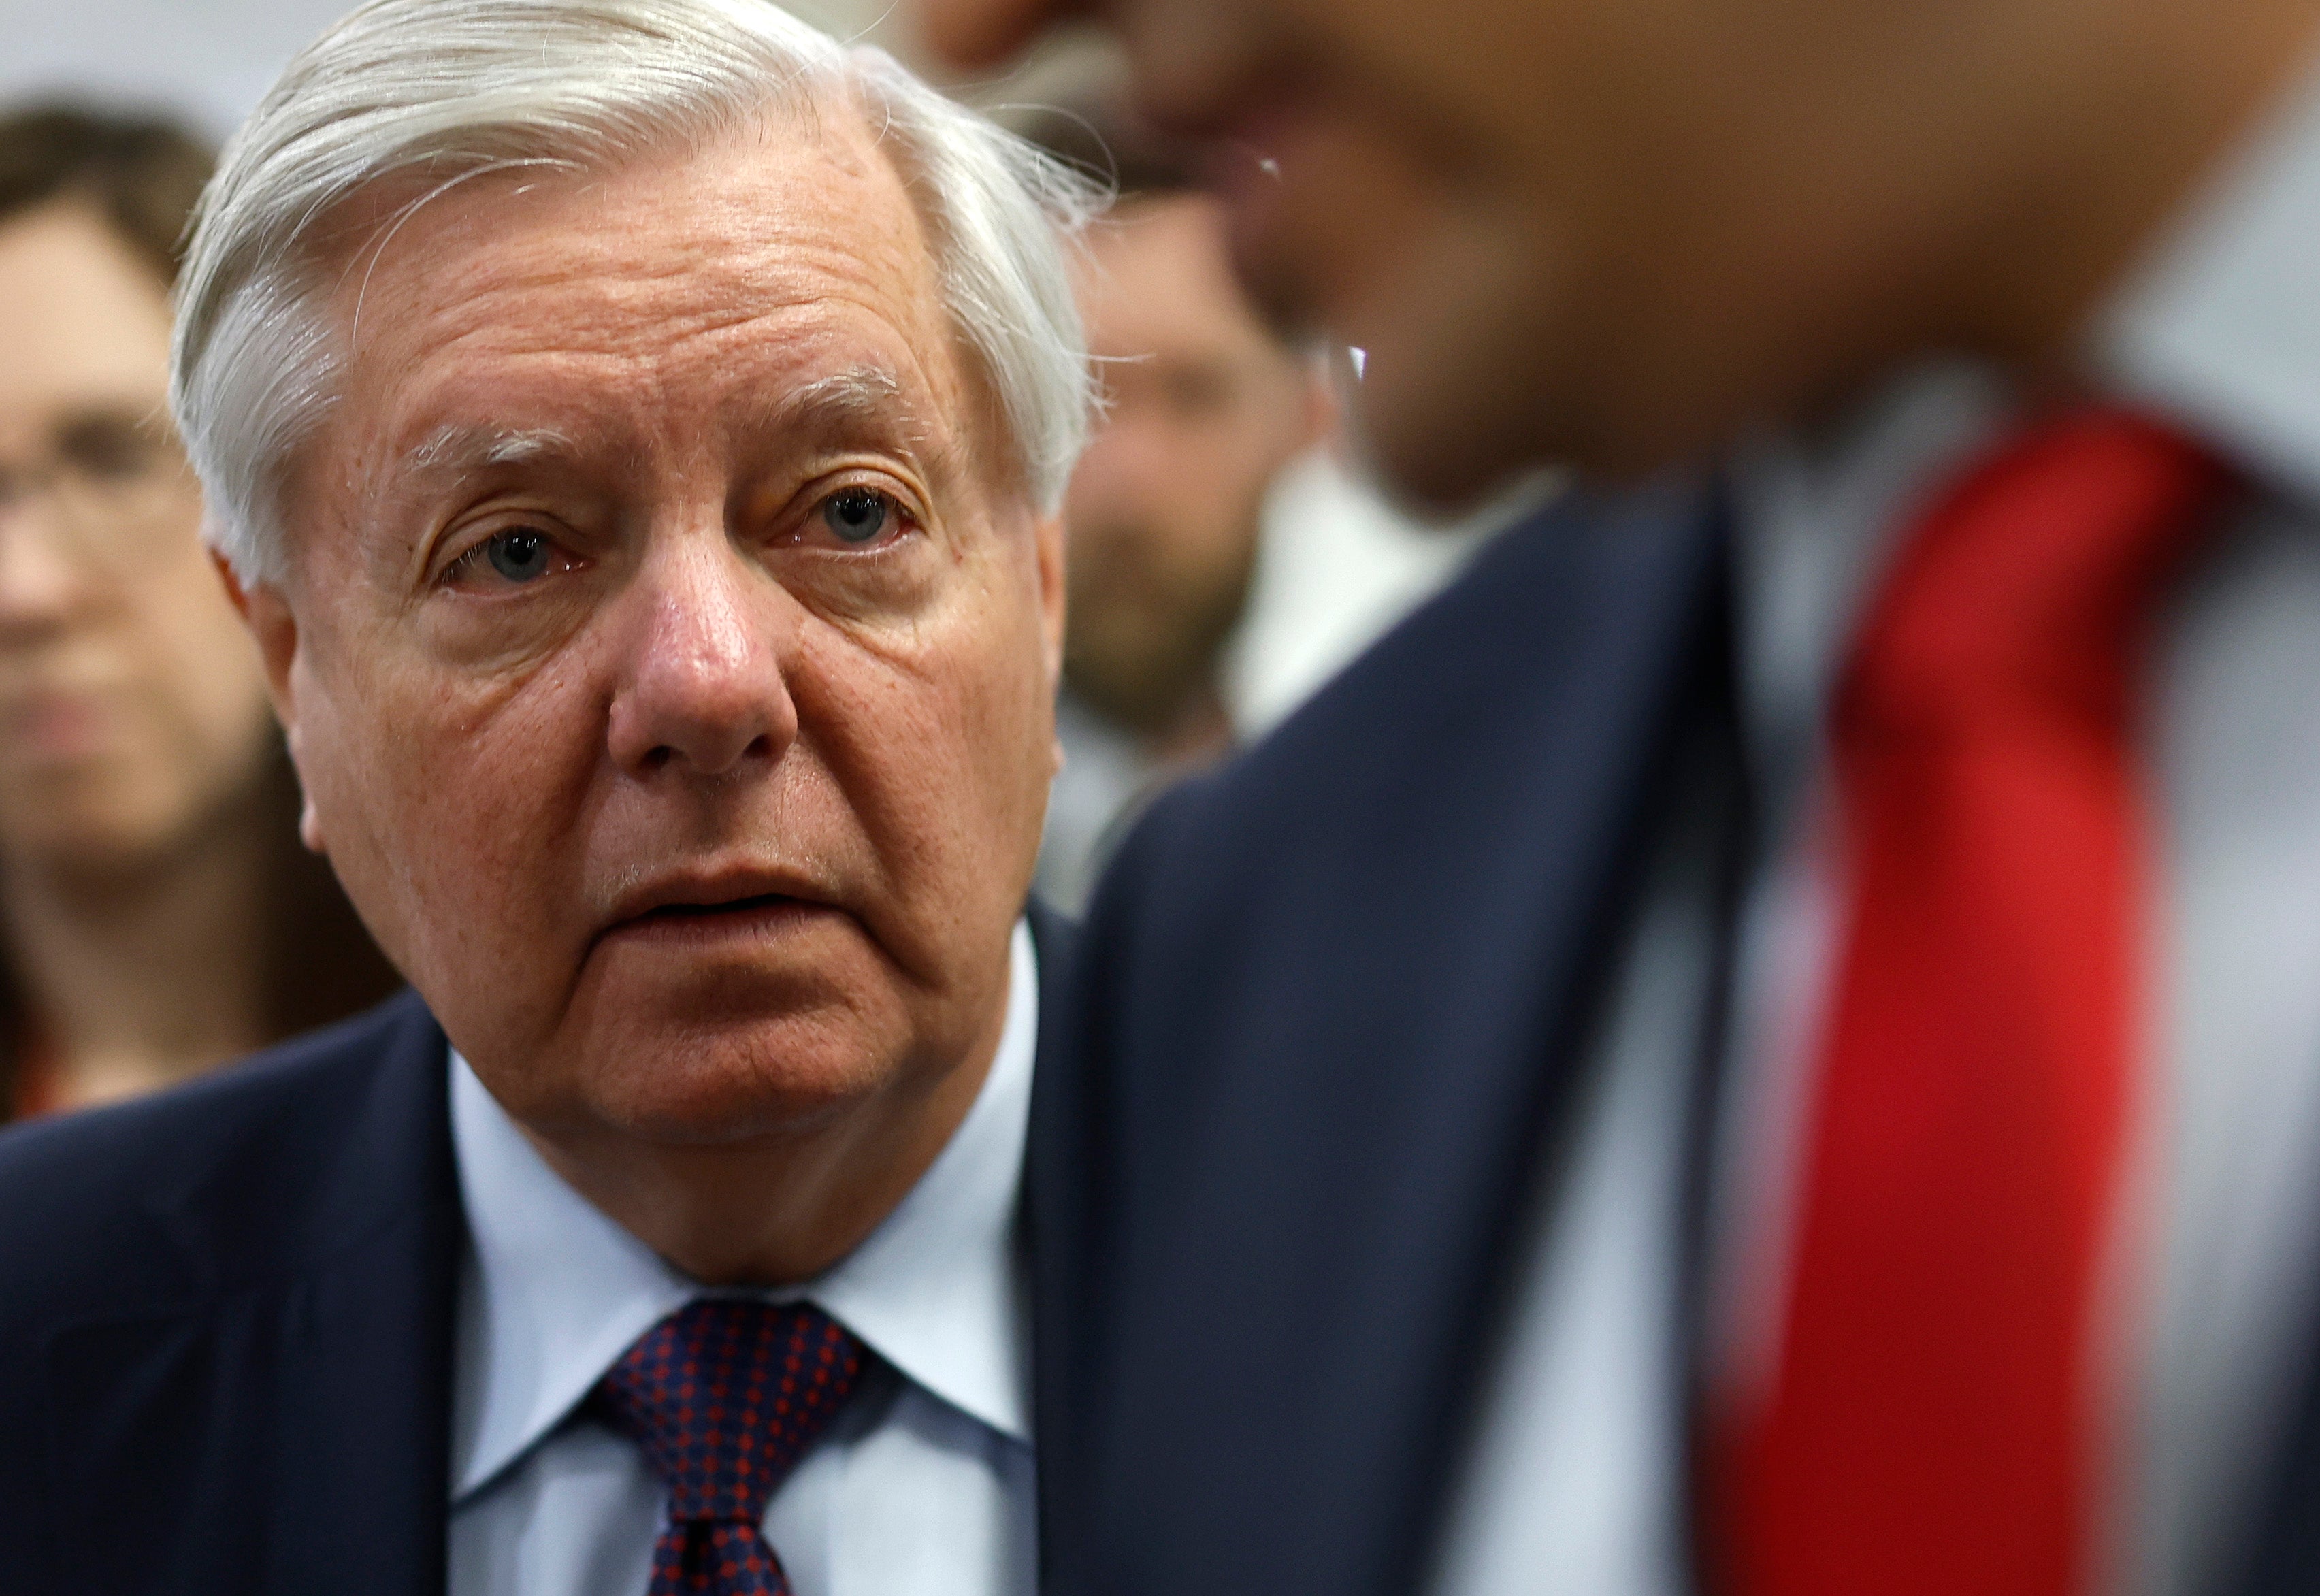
[[441, 91]]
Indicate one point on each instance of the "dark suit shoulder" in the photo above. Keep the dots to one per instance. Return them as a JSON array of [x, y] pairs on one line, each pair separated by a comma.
[[238, 1177], [1328, 1000], [1055, 935]]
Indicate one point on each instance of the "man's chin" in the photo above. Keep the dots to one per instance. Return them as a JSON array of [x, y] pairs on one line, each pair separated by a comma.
[[1437, 451], [672, 975], [719, 1043], [712, 1084]]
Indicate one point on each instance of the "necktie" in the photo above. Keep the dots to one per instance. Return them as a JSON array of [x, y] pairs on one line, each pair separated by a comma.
[[724, 1396], [1934, 1420]]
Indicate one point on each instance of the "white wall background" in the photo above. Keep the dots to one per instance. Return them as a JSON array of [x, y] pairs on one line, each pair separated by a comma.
[[206, 60], [209, 61]]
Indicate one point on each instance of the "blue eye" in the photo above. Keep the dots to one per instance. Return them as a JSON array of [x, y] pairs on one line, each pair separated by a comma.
[[856, 514], [520, 555]]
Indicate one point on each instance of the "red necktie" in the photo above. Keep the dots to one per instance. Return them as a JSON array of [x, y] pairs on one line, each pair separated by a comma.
[[1934, 1422], [724, 1397]]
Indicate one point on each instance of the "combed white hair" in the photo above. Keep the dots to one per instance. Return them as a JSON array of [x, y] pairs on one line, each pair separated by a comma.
[[441, 91]]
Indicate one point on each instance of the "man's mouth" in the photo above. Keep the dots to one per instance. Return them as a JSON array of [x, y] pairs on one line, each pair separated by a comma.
[[710, 906], [55, 728], [766, 914]]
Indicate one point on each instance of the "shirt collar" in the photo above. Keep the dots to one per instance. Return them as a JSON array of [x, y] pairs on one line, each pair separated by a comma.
[[1817, 518], [2219, 330], [552, 1290]]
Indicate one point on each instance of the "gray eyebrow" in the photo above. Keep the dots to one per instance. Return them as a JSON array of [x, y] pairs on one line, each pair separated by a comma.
[[858, 390], [844, 402], [857, 394], [461, 445]]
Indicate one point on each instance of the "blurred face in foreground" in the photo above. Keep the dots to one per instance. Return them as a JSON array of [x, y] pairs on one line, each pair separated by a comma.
[[668, 655], [1611, 231], [1163, 512], [130, 704]]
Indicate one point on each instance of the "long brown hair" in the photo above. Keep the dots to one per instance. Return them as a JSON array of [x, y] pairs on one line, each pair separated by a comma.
[[144, 176]]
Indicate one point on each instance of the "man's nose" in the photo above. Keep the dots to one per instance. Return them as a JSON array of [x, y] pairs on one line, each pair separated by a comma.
[[40, 582], [704, 689]]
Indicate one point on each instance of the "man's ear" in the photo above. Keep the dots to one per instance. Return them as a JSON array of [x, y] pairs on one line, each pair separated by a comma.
[[1048, 534], [268, 616], [276, 629]]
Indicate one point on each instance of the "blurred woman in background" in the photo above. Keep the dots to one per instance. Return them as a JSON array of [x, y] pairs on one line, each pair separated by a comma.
[[158, 915]]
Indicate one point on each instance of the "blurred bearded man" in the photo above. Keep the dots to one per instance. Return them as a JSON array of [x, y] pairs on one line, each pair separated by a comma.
[[1205, 408], [1765, 1042], [635, 429]]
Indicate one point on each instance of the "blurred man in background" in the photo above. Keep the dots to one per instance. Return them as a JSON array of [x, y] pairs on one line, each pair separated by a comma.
[[1766, 1041], [158, 915], [1207, 406]]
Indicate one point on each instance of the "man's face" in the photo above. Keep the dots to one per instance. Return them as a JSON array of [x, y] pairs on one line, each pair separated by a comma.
[[1603, 231], [667, 655], [1161, 518], [131, 705]]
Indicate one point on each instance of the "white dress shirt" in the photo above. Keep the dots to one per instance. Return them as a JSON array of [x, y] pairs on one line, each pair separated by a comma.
[[923, 1487], [1576, 1482]]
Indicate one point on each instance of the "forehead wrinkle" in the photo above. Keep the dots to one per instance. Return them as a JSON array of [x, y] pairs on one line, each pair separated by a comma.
[[638, 284], [704, 289], [697, 273], [709, 331]]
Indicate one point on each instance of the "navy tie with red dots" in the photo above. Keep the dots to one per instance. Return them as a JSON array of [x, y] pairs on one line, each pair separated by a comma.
[[724, 1396]]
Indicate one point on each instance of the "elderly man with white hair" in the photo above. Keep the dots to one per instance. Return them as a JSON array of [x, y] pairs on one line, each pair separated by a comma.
[[633, 431]]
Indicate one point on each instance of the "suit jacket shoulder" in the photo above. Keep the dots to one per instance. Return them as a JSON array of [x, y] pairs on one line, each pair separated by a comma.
[[1327, 1005], [229, 1306], [205, 1188]]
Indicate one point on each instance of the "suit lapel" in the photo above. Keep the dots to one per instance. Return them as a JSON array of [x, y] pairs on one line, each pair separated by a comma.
[[296, 1416], [1314, 1127], [2285, 1552]]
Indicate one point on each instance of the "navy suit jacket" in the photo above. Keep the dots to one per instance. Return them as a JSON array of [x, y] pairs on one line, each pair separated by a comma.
[[1335, 1001], [226, 1323]]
